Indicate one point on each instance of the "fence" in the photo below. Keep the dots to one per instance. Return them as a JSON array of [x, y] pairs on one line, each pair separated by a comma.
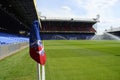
[[6, 50]]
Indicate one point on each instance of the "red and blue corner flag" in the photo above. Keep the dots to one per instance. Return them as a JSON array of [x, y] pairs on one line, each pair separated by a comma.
[[36, 47]]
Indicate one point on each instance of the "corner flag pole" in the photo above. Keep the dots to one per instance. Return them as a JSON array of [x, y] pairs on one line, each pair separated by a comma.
[[38, 65], [43, 72], [38, 69]]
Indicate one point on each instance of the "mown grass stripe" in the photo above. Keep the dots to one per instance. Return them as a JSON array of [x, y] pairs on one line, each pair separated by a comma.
[[67, 60]]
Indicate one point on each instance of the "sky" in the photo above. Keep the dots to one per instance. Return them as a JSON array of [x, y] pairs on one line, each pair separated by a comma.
[[109, 11]]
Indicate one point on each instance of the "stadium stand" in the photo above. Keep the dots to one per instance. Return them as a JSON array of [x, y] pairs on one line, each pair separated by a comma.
[[105, 36], [16, 17], [10, 43], [109, 36], [60, 28], [6, 38], [66, 36], [114, 31]]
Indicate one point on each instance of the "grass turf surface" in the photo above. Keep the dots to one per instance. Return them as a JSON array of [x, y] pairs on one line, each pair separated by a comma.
[[67, 60]]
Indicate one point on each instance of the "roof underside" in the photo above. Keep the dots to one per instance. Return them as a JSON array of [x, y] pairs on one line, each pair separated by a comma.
[[94, 20], [21, 10], [67, 22]]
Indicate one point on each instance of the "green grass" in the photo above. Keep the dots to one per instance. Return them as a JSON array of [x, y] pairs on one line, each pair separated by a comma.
[[67, 60]]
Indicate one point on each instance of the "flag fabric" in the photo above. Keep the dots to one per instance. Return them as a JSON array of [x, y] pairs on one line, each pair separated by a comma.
[[36, 47]]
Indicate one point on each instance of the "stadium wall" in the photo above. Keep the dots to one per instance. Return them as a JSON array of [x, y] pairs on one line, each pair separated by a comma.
[[7, 50]]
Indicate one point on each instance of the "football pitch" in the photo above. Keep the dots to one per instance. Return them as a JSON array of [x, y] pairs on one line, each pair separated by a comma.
[[67, 60]]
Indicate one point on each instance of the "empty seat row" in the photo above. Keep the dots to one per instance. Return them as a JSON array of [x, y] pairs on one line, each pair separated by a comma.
[[6, 38]]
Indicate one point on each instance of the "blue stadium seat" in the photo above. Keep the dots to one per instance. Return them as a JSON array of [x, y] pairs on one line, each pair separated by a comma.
[[6, 38]]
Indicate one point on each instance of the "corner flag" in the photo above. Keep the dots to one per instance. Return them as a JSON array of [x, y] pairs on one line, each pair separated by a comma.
[[36, 48]]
